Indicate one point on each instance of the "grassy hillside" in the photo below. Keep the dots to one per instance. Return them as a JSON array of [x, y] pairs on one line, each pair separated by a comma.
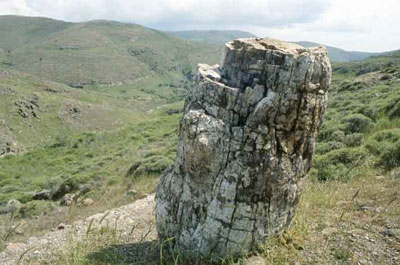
[[349, 209], [216, 37], [95, 52], [361, 128], [56, 131]]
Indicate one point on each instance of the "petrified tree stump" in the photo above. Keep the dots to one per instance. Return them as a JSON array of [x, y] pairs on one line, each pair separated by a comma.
[[246, 140]]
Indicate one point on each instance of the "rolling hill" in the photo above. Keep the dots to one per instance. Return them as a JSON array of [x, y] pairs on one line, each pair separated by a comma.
[[95, 52]]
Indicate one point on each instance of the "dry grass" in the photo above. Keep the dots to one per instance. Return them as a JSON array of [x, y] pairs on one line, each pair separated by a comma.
[[342, 223], [336, 223]]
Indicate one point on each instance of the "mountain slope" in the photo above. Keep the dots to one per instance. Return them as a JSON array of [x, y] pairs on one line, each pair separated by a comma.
[[95, 52]]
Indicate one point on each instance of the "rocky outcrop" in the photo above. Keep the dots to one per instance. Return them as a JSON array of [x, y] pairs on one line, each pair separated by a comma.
[[246, 140]]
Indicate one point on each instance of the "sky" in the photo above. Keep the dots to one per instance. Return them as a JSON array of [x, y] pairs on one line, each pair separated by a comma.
[[362, 25]]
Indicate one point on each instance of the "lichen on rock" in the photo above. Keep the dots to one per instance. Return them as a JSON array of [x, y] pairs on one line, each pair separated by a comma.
[[246, 140]]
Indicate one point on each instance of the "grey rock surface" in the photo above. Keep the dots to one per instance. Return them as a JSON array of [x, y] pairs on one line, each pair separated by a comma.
[[246, 140]]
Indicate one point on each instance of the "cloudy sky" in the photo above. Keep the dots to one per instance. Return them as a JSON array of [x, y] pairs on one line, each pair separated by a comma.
[[365, 25]]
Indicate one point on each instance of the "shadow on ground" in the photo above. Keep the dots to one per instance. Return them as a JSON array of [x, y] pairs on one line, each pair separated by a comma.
[[145, 253]]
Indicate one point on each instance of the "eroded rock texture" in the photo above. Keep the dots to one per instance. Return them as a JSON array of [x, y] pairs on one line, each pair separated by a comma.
[[246, 140]]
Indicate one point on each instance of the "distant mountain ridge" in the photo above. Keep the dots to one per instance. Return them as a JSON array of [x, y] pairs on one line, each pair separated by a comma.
[[213, 36], [340, 55], [222, 36]]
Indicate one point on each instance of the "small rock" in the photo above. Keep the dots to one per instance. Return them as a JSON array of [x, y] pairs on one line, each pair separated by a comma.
[[380, 177], [61, 226], [131, 193], [380, 209], [67, 199], [87, 202], [387, 232], [395, 173], [15, 247], [13, 205], [365, 208], [329, 231]]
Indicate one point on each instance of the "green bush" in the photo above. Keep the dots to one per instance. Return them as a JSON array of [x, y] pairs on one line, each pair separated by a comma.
[[357, 123], [149, 165], [382, 140], [393, 108], [354, 139], [35, 208], [351, 86], [325, 147], [390, 156], [59, 186], [335, 164], [329, 128]]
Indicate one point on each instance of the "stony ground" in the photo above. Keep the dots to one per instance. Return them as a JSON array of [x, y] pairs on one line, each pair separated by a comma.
[[133, 220]]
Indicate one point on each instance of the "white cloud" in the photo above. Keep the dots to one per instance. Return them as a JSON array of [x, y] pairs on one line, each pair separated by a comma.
[[16, 7], [350, 24]]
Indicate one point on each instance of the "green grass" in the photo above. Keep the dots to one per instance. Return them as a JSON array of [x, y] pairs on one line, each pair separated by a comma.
[[90, 157]]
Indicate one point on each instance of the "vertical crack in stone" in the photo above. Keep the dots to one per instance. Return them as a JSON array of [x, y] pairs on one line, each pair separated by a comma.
[[246, 140]]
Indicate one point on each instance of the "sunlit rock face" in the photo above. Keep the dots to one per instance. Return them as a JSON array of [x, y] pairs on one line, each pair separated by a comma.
[[246, 140]]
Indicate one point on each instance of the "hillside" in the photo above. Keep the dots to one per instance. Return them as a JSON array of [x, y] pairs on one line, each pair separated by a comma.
[[95, 52]]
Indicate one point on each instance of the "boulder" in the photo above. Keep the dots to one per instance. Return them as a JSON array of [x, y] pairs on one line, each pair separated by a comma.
[[246, 141], [87, 202], [42, 195]]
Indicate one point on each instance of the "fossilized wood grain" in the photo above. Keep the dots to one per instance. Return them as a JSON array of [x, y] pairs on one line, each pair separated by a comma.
[[246, 140]]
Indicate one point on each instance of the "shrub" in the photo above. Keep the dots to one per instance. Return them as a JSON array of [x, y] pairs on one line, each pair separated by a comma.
[[357, 123], [325, 147], [393, 108], [338, 136], [328, 128], [354, 139], [390, 156], [152, 164], [59, 187], [331, 172], [335, 164], [35, 208], [351, 86], [382, 140]]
